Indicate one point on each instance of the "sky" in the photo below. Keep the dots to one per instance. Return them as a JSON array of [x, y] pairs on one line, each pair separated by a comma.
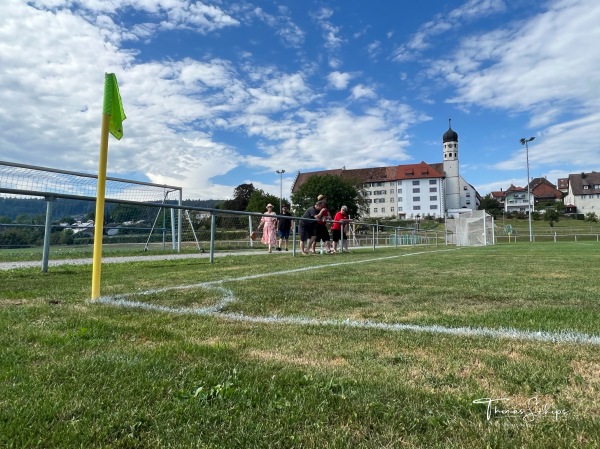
[[220, 93]]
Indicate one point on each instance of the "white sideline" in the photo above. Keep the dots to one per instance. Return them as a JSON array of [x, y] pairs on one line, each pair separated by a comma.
[[228, 298]]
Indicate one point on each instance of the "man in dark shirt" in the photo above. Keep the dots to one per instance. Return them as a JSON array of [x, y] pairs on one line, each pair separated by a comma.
[[307, 227], [284, 225]]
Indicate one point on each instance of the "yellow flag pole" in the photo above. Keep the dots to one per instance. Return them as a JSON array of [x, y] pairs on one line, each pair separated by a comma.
[[112, 121], [99, 218]]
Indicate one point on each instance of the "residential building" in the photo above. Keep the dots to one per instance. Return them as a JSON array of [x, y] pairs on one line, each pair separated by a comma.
[[583, 194], [516, 200], [409, 190], [500, 196], [544, 191]]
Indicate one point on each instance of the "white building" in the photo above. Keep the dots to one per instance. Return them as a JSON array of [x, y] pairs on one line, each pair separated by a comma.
[[583, 195], [412, 189]]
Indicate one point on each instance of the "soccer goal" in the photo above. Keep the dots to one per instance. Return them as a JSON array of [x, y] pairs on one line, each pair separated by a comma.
[[474, 228]]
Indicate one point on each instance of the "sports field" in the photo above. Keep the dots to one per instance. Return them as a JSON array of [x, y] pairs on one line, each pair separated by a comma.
[[413, 347]]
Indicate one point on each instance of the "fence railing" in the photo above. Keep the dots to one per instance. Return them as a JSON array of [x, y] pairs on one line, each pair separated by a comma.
[[151, 226]]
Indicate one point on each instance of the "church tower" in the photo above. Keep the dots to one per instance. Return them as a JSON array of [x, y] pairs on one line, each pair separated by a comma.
[[452, 181]]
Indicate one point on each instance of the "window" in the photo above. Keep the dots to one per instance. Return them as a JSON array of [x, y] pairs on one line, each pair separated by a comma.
[[380, 184], [391, 209], [417, 208], [464, 187], [375, 209], [399, 191], [415, 183], [391, 191], [586, 187], [433, 198], [416, 198], [383, 209], [468, 195], [417, 190], [399, 208], [433, 207], [432, 182], [468, 202], [399, 199], [432, 189], [596, 186], [376, 200], [391, 200]]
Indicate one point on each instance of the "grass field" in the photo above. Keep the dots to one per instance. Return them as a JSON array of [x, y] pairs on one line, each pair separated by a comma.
[[393, 348]]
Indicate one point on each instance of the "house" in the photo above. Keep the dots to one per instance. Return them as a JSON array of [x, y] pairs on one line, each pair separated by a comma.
[[516, 199], [563, 185], [544, 191], [583, 194], [409, 190], [500, 196]]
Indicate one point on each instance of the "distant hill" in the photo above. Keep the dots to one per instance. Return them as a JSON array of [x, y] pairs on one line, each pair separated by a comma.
[[211, 204], [13, 207]]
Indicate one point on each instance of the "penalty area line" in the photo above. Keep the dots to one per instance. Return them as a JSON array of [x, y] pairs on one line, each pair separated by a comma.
[[210, 284], [571, 337]]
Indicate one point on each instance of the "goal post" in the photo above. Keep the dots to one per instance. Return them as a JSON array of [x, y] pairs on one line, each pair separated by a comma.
[[474, 228]]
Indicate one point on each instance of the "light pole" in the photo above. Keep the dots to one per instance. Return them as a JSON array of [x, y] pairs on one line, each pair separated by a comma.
[[280, 173], [525, 141]]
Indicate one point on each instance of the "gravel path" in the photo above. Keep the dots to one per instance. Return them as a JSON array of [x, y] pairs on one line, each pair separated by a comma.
[[55, 263]]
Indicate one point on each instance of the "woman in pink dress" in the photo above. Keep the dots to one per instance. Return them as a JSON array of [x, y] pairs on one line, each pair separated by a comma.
[[269, 227]]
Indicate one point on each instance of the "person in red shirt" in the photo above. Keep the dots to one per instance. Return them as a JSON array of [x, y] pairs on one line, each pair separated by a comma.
[[338, 229]]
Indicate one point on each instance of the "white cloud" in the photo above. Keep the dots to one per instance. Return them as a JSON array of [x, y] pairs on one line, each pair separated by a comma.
[[339, 80], [546, 67], [441, 23], [361, 91]]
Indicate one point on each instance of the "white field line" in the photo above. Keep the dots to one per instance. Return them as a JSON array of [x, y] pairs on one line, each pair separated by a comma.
[[228, 298]]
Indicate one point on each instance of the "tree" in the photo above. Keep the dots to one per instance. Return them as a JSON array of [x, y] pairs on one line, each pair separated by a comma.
[[491, 205], [591, 217], [339, 192], [241, 197], [551, 216], [259, 200]]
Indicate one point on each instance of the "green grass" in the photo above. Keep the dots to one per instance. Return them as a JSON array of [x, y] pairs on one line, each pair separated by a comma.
[[81, 374]]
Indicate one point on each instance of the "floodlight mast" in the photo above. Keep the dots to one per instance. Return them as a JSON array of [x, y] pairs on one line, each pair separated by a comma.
[[280, 173], [525, 142]]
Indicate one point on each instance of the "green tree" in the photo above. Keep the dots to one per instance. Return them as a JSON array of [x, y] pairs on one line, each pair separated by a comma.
[[339, 192], [241, 198], [551, 216], [260, 199], [491, 205], [127, 212], [592, 217]]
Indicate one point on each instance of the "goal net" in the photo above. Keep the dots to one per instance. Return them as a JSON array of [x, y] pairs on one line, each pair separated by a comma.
[[474, 228]]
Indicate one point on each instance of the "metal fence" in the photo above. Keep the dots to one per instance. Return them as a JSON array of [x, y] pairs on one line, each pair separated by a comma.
[[171, 227]]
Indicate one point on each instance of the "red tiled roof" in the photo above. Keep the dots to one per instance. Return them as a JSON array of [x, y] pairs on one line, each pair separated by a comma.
[[377, 174]]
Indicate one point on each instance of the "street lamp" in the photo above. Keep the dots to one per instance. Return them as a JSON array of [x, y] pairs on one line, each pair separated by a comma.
[[280, 173], [525, 141]]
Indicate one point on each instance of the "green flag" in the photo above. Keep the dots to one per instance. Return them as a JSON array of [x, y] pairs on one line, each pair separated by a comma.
[[113, 105]]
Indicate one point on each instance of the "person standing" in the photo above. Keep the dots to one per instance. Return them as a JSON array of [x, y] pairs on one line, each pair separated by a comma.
[[321, 232], [284, 226], [268, 225], [307, 227], [338, 229]]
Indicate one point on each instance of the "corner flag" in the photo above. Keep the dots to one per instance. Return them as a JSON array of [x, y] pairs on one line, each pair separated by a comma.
[[113, 105], [112, 121]]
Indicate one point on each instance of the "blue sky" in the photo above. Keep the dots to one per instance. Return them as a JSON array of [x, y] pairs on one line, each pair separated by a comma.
[[220, 93]]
